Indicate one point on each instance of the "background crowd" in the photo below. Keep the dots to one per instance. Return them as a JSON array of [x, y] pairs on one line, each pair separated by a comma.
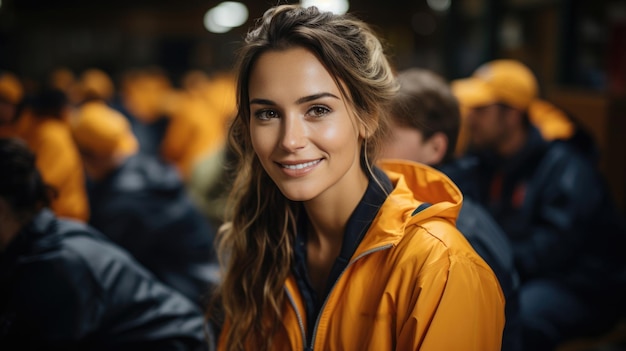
[[138, 170]]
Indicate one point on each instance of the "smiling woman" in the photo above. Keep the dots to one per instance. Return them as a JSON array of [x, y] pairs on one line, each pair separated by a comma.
[[317, 229]]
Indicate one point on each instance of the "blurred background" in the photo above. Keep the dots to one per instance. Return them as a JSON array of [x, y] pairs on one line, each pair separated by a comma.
[[576, 48]]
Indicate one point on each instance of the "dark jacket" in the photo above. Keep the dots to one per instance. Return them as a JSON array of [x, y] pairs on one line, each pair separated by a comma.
[[556, 209], [491, 243], [143, 207], [65, 286]]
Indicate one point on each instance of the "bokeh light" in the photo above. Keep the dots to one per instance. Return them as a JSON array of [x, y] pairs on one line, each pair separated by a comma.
[[225, 16], [335, 6], [439, 5]]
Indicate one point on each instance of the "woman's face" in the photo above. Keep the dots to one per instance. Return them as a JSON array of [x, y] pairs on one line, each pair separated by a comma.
[[302, 129]]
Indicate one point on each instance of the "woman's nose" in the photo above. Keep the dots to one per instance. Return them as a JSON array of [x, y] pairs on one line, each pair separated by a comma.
[[294, 134]]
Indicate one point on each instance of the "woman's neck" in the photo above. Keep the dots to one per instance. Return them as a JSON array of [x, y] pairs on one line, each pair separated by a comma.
[[328, 214], [328, 217], [321, 252]]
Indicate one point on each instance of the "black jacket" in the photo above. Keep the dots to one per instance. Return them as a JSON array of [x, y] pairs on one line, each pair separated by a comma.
[[65, 286], [555, 207], [143, 207], [492, 244]]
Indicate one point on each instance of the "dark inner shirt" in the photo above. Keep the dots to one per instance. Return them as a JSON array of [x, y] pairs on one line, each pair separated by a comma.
[[356, 228]]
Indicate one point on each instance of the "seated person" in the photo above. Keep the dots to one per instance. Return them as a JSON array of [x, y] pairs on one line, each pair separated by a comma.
[[65, 286], [424, 128], [142, 205], [553, 204], [40, 120]]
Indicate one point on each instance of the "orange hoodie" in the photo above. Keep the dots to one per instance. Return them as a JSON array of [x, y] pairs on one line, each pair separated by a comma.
[[58, 161], [414, 283]]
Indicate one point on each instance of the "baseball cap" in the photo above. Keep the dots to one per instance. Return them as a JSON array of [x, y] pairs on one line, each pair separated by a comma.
[[500, 81], [95, 83], [102, 131]]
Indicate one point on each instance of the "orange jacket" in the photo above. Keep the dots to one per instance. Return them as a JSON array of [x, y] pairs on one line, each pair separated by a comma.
[[414, 283], [58, 161]]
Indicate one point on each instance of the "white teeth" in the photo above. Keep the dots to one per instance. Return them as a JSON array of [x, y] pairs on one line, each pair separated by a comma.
[[302, 165]]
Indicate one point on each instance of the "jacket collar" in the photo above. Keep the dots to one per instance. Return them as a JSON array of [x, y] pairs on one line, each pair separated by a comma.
[[414, 186]]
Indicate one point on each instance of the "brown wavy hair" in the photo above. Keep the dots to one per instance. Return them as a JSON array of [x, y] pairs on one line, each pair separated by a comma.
[[256, 241]]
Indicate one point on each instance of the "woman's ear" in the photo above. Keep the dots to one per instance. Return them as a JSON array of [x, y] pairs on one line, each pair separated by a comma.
[[367, 130], [363, 131]]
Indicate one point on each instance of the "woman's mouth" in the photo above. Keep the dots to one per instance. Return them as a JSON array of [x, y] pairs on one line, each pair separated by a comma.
[[300, 165], [299, 169]]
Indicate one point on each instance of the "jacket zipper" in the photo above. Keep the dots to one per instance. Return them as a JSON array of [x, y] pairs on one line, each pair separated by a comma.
[[300, 323], [310, 347]]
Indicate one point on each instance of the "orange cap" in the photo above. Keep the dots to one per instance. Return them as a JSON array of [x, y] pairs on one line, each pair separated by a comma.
[[501, 81], [97, 83], [102, 131]]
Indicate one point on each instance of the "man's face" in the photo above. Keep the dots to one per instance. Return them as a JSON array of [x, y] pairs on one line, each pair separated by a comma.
[[408, 143], [487, 127]]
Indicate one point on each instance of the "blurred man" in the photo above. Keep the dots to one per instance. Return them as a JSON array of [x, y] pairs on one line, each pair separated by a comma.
[[552, 122], [40, 120], [143, 94], [425, 121], [141, 203], [64, 286], [553, 204]]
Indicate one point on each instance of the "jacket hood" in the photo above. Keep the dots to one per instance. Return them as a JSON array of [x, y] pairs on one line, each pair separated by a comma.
[[420, 193], [436, 194]]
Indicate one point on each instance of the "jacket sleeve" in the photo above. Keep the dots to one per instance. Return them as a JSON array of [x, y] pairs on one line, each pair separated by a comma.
[[459, 306], [135, 311]]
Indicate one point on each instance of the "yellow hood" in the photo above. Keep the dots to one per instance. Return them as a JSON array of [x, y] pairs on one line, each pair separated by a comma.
[[420, 193]]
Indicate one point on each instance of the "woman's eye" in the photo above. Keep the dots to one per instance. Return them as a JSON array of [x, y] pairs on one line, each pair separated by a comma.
[[265, 114], [318, 111]]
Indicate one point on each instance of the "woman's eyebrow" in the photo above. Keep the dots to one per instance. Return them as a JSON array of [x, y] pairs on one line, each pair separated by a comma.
[[315, 97], [262, 102], [299, 101]]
